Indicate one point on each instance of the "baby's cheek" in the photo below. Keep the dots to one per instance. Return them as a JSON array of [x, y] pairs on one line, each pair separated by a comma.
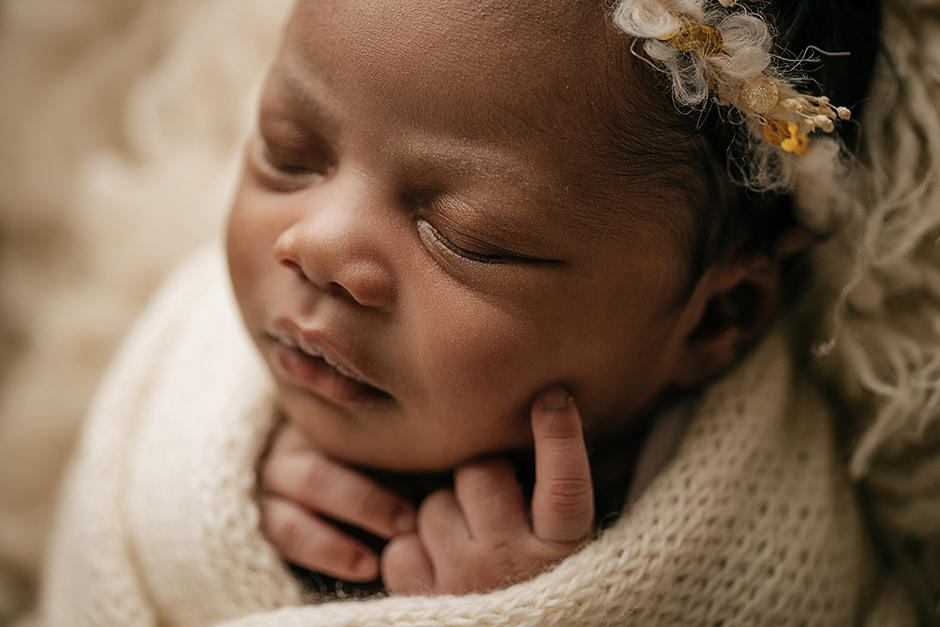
[[486, 370]]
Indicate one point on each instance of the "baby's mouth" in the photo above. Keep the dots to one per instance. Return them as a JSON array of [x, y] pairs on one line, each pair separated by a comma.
[[319, 371], [314, 353]]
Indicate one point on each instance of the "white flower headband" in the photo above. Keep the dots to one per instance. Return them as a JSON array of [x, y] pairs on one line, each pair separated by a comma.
[[721, 55]]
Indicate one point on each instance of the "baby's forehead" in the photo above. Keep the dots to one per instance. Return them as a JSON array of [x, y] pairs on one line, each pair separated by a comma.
[[488, 19], [556, 44], [552, 66]]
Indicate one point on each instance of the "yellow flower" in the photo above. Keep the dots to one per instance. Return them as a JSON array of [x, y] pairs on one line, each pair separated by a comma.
[[775, 131], [787, 135], [796, 143]]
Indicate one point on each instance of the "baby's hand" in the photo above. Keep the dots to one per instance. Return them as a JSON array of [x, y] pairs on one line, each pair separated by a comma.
[[300, 486], [480, 535]]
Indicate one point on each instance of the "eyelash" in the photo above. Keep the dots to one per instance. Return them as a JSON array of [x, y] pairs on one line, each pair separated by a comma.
[[429, 229], [313, 165], [285, 168]]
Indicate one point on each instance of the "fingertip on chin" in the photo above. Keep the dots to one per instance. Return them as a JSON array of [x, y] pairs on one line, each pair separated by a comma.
[[554, 398], [554, 413]]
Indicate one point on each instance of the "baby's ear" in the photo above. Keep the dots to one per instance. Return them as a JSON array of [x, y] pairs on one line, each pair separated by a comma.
[[731, 307]]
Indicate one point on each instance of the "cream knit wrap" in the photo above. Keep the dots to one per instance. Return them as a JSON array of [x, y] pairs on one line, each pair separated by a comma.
[[752, 523]]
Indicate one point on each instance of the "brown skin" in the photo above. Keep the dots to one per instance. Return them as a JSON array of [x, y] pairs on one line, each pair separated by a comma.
[[406, 204]]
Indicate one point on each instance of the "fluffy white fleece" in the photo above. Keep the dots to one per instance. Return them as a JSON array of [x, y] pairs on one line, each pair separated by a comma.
[[122, 122]]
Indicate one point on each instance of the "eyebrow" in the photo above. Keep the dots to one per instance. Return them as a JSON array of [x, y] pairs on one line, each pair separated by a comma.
[[459, 161], [464, 158], [461, 157], [301, 94]]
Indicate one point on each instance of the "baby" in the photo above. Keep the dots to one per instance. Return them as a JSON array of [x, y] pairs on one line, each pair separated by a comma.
[[449, 210], [497, 280]]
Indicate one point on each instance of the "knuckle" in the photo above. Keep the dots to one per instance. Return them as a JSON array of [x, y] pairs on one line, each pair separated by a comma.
[[376, 504], [436, 502], [485, 487], [286, 530], [560, 431], [483, 569], [317, 476], [569, 494], [488, 480]]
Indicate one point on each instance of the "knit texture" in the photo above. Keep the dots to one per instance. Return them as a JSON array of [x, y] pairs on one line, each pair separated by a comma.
[[752, 522], [875, 300]]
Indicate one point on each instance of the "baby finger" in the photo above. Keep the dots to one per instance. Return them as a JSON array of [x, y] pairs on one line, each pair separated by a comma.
[[327, 487], [441, 527], [491, 500], [406, 568], [307, 540]]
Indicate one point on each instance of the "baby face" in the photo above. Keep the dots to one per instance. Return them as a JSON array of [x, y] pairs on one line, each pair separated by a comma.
[[405, 245]]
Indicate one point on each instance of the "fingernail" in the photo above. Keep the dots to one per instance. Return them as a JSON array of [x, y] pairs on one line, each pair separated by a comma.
[[404, 522], [555, 399]]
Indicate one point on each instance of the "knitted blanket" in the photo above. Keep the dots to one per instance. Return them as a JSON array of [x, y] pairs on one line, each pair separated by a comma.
[[752, 522]]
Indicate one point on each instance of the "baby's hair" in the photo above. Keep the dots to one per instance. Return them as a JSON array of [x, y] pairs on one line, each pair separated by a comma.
[[699, 157]]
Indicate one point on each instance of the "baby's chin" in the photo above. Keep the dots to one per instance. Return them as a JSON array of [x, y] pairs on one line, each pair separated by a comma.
[[403, 461], [385, 437], [396, 453]]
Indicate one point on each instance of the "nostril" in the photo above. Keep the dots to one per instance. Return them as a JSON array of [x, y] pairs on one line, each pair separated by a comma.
[[289, 263], [338, 290], [332, 287], [358, 281]]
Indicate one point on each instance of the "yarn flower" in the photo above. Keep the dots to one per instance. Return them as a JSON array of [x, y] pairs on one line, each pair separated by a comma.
[[787, 135]]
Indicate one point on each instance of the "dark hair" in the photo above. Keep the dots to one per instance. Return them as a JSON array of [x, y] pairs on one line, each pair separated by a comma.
[[697, 157], [810, 29], [805, 29]]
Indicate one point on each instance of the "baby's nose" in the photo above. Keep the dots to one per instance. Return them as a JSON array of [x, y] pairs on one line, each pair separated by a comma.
[[340, 258]]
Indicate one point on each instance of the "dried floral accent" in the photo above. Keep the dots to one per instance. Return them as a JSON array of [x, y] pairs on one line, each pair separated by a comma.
[[812, 113], [691, 36], [797, 143], [775, 131], [786, 116], [787, 135], [760, 94]]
